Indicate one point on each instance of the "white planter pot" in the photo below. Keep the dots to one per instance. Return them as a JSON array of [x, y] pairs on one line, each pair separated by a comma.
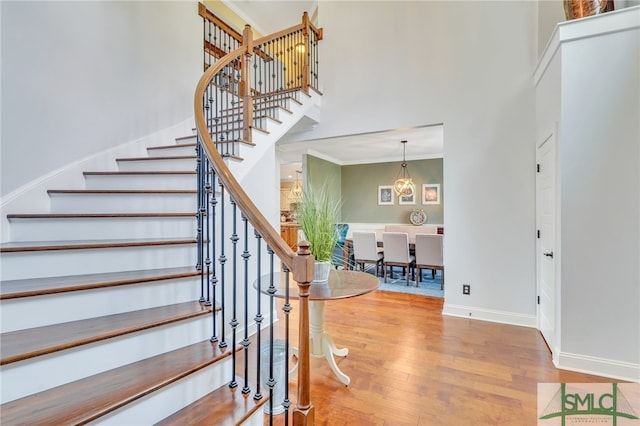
[[321, 271]]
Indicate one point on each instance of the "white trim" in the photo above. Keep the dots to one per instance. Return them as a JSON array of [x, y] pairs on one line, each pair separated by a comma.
[[599, 366], [502, 317], [610, 22]]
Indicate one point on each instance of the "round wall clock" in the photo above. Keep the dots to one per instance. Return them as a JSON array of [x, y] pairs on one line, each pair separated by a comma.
[[418, 217]]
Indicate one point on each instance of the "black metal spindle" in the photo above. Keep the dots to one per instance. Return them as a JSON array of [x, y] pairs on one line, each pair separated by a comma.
[[201, 194], [271, 383], [207, 261], [234, 288], [258, 318], [245, 342], [287, 310], [214, 278], [223, 260]]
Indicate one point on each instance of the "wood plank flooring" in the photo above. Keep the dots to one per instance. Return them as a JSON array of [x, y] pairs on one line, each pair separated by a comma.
[[410, 365]]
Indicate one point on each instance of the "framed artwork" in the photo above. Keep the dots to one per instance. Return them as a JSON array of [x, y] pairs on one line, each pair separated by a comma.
[[385, 195], [411, 199], [430, 193]]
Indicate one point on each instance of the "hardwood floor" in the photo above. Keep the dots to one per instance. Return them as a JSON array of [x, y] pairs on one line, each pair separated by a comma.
[[410, 365]]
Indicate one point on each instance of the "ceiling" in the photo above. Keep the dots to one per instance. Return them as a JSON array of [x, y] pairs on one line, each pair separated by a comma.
[[272, 18]]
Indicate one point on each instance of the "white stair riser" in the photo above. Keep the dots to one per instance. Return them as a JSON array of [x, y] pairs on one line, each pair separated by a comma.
[[122, 203], [188, 139], [186, 164], [54, 263], [170, 151], [55, 369], [71, 229], [77, 305], [166, 401], [150, 181]]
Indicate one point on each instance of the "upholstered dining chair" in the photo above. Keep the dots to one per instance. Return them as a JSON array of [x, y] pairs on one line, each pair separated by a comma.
[[396, 253], [429, 255], [366, 250]]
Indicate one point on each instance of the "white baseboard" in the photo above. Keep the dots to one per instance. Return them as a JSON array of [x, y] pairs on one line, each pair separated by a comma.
[[599, 366], [489, 315]]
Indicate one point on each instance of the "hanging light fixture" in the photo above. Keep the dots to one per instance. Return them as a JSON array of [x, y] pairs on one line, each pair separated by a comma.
[[296, 188], [404, 186]]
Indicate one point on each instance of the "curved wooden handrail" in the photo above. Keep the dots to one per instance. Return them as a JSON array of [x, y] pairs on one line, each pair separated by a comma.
[[287, 31], [240, 197], [301, 263]]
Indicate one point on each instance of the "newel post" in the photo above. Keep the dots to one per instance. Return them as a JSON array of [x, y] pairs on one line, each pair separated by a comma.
[[305, 62], [303, 270], [245, 83]]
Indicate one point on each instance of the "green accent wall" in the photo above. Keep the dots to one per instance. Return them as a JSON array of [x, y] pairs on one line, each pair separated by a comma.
[[358, 187], [320, 173]]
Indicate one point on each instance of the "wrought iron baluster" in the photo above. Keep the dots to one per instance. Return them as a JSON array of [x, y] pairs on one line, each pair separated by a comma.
[[258, 318], [214, 278], [271, 383], [223, 260], [198, 208], [234, 289], [287, 310], [245, 342], [207, 261]]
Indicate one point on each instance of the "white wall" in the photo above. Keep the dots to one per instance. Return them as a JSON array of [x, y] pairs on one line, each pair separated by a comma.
[[82, 77], [468, 65], [598, 181], [600, 174]]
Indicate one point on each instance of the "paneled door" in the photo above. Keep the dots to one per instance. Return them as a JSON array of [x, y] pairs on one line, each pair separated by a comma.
[[545, 256]]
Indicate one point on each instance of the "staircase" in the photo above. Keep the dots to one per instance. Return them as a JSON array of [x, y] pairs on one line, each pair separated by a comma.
[[105, 317]]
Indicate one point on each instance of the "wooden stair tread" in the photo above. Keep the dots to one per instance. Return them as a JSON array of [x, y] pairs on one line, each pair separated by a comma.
[[175, 145], [87, 399], [122, 191], [23, 344], [232, 407], [95, 215], [23, 246], [140, 173], [12, 289], [174, 157]]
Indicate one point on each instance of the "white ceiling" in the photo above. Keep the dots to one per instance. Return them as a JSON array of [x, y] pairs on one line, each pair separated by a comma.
[[423, 142], [272, 18]]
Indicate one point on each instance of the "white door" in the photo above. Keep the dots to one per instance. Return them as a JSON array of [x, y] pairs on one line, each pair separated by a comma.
[[545, 256]]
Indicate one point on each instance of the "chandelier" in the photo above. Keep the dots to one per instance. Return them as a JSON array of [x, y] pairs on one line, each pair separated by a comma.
[[404, 186], [296, 188]]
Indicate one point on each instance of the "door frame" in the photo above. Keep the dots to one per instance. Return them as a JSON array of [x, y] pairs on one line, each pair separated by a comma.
[[553, 341]]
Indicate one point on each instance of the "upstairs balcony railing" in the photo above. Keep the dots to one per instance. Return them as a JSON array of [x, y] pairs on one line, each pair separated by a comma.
[[239, 254]]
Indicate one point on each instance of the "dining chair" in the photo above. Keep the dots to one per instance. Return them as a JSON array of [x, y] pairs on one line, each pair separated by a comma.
[[429, 255], [396, 253], [366, 250]]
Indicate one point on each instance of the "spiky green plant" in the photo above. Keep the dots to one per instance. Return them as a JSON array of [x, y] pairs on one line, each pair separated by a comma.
[[317, 216]]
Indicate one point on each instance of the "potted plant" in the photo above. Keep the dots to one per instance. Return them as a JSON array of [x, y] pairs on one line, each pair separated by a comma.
[[317, 215]]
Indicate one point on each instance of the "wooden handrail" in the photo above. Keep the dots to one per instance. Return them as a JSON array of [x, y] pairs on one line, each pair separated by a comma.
[[302, 264], [206, 14], [240, 197]]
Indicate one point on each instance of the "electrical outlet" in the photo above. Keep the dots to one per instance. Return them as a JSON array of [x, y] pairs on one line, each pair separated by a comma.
[[466, 289]]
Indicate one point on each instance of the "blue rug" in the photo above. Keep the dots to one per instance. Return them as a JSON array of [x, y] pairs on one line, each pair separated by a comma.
[[427, 287]]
